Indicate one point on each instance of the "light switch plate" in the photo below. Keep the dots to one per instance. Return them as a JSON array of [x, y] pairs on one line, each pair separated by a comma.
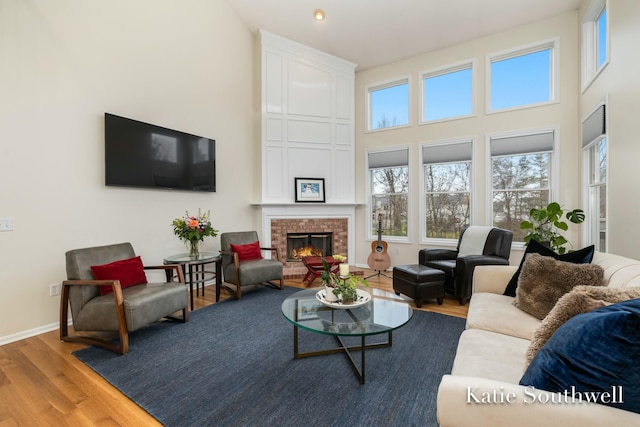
[[6, 224]]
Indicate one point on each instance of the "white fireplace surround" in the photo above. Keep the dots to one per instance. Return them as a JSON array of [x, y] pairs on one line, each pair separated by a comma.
[[310, 211]]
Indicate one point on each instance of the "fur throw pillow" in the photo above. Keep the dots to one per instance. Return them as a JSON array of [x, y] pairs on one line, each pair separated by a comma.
[[543, 280], [580, 300]]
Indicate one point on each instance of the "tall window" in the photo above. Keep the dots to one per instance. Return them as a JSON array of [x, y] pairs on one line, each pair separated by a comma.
[[389, 178], [601, 38], [595, 41], [594, 143], [447, 93], [521, 169], [522, 77], [388, 105], [447, 189]]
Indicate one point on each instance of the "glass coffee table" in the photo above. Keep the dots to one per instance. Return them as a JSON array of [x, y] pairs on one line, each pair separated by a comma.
[[383, 313]]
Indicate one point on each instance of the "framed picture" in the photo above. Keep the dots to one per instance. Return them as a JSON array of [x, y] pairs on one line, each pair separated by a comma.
[[307, 309], [310, 190]]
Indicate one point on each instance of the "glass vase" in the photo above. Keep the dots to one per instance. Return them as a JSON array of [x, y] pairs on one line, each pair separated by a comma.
[[194, 249]]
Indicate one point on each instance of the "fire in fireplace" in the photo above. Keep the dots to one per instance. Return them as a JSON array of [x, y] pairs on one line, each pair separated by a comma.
[[300, 245]]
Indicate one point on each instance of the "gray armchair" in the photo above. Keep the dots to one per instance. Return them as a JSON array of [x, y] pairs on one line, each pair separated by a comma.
[[242, 274], [122, 310]]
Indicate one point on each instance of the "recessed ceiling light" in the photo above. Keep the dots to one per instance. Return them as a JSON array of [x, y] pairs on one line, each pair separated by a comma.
[[318, 15]]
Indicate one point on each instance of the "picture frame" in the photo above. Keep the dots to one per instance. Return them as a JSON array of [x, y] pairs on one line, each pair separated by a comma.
[[309, 190], [307, 309]]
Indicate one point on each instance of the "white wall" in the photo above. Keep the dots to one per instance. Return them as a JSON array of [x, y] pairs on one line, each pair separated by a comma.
[[183, 65], [563, 116], [307, 120], [619, 83]]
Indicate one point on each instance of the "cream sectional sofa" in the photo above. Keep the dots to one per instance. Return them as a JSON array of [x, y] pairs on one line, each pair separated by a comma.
[[483, 390]]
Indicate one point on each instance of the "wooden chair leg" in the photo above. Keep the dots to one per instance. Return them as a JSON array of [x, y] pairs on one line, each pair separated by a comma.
[[121, 348]]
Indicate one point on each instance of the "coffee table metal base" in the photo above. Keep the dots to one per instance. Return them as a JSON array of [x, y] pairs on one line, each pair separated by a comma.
[[360, 372]]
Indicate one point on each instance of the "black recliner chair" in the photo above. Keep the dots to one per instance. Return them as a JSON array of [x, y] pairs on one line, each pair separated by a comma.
[[458, 265]]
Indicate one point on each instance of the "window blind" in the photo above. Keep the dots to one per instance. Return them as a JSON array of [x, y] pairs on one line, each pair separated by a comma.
[[388, 159], [522, 144], [594, 126], [446, 153]]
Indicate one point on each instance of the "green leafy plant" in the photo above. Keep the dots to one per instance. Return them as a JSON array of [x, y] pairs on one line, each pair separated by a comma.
[[348, 288], [327, 277], [345, 288], [545, 225]]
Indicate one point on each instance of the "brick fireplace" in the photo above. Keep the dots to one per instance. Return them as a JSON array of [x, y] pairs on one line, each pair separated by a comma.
[[280, 219], [338, 227]]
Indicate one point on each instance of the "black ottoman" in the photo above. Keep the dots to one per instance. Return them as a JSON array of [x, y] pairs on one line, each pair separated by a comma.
[[419, 282]]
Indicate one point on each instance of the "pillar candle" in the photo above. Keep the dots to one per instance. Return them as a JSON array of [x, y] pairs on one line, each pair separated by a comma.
[[344, 269]]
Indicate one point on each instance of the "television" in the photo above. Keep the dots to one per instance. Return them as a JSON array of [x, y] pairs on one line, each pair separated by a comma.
[[143, 155]]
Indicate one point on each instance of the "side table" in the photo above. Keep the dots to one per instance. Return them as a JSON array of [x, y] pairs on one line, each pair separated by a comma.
[[315, 267], [194, 270]]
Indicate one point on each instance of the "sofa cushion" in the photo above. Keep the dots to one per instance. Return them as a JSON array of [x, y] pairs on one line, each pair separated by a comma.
[[490, 355], [248, 251], [496, 313], [580, 300], [543, 280], [581, 256], [593, 352], [129, 272]]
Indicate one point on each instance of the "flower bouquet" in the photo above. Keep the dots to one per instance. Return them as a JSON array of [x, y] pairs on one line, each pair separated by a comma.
[[192, 229]]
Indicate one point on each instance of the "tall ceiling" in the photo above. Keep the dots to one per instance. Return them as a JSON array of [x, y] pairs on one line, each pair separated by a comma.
[[376, 32]]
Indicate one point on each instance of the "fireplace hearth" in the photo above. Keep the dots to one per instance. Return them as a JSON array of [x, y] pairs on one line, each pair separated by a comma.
[[300, 245]]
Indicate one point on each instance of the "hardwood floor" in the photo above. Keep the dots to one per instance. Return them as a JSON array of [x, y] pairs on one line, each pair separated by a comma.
[[43, 384]]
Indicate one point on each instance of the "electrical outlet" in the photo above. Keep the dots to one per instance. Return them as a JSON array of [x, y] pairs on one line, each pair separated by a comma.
[[6, 224], [397, 251], [54, 289]]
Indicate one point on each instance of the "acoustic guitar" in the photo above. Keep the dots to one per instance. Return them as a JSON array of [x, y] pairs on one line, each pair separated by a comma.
[[379, 259]]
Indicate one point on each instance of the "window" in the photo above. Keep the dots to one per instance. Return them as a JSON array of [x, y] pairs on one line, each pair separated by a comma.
[[447, 93], [595, 41], [389, 186], [388, 105], [447, 189], [522, 78], [594, 143], [521, 169], [601, 39]]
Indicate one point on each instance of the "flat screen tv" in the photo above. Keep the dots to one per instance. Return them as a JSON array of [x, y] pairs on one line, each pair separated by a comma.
[[143, 155]]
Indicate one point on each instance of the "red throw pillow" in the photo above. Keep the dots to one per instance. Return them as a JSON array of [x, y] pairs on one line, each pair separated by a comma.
[[248, 251], [130, 272]]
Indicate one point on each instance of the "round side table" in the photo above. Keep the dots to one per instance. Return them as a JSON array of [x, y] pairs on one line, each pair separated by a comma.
[[194, 270]]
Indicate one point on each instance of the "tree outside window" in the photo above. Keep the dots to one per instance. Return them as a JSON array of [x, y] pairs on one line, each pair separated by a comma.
[[520, 183], [447, 199], [389, 197]]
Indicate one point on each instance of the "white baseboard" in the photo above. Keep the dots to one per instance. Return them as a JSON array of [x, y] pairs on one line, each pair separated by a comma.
[[28, 333]]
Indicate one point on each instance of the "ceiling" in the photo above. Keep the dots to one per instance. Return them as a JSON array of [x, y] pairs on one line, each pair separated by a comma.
[[376, 32]]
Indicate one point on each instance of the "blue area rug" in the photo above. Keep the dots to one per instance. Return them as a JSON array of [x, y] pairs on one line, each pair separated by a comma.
[[232, 365]]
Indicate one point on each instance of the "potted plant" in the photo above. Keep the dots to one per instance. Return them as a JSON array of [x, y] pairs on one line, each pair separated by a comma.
[[329, 280], [347, 288], [545, 225]]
